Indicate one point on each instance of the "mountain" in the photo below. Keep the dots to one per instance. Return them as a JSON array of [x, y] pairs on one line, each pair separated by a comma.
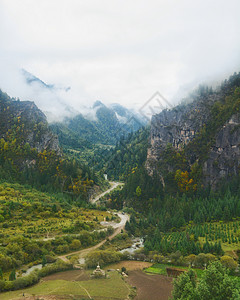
[[50, 98], [131, 118], [31, 79], [100, 125], [127, 156], [23, 123], [201, 138], [30, 152], [189, 175], [187, 167]]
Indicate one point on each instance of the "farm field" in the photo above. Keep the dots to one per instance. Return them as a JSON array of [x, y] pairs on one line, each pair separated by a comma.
[[130, 265], [161, 269], [76, 284], [158, 286], [211, 237], [59, 285], [154, 287]]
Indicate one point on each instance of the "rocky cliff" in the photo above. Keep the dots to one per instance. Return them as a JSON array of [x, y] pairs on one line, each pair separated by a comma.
[[224, 155], [205, 131], [23, 122]]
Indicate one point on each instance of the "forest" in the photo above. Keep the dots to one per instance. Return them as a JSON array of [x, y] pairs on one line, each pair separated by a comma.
[[44, 209]]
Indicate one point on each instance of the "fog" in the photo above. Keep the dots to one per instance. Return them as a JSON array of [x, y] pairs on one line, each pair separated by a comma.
[[115, 51]]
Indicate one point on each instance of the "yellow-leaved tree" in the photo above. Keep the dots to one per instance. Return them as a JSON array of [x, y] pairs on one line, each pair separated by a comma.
[[185, 184]]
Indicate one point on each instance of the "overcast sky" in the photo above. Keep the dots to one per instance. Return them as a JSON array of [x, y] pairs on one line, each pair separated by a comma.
[[118, 50]]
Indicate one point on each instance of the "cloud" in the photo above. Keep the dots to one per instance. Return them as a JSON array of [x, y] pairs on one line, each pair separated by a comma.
[[117, 51]]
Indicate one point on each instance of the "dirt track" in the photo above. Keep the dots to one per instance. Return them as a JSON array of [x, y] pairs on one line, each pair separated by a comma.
[[84, 252], [150, 287], [113, 186]]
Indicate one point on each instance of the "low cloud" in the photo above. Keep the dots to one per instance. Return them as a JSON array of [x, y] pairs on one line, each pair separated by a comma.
[[114, 52]]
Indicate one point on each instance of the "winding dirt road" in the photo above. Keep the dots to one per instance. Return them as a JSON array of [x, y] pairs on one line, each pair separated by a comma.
[[113, 186], [117, 226], [82, 253]]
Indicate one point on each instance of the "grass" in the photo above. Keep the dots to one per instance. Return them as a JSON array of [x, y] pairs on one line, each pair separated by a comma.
[[113, 287], [161, 269]]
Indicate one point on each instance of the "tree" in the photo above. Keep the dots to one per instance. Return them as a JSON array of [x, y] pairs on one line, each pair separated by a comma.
[[229, 262], [1, 274], [215, 284], [191, 259], [44, 261], [210, 258], [138, 191], [201, 260], [12, 275], [184, 287], [75, 245]]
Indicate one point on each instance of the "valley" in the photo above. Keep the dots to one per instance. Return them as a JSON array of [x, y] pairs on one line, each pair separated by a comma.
[[158, 196]]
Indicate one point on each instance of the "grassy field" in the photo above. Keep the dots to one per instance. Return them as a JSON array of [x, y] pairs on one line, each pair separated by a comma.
[[113, 287], [161, 269]]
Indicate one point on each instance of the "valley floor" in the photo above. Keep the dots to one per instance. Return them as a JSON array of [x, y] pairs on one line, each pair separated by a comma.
[[76, 284], [152, 287]]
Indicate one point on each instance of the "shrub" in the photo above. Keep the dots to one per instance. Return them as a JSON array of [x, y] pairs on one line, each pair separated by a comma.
[[102, 257], [34, 276], [229, 262]]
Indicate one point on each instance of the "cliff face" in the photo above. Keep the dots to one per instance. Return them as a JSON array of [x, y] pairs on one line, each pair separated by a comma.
[[224, 155], [180, 127], [177, 127], [23, 122]]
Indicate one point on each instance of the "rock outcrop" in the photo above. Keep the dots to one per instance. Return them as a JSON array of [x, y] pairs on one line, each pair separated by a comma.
[[224, 155], [181, 125], [23, 121], [177, 127]]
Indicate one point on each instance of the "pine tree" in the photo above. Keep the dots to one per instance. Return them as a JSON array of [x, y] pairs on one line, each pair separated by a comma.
[[44, 261], [12, 275]]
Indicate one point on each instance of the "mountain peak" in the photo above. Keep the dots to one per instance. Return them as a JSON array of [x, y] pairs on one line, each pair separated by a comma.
[[30, 78], [98, 103]]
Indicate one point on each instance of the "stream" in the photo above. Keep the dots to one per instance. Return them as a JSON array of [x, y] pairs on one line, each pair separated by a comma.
[[137, 244]]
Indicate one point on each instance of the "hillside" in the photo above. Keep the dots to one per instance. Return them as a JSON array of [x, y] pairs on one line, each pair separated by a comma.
[[30, 152], [200, 138], [191, 169], [34, 224], [101, 124], [23, 122]]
